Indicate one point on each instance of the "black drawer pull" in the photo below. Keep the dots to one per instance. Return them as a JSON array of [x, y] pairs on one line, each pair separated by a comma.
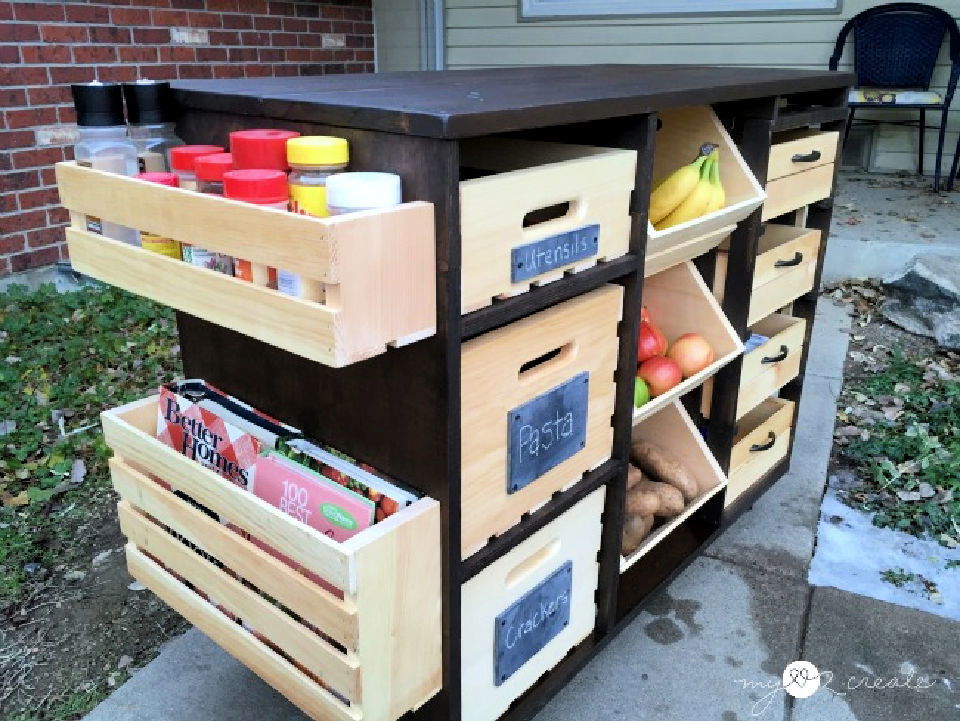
[[811, 157], [757, 447], [784, 352], [797, 259]]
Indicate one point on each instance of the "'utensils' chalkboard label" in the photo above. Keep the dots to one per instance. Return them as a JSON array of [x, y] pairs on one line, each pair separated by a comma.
[[531, 622], [546, 431], [542, 256]]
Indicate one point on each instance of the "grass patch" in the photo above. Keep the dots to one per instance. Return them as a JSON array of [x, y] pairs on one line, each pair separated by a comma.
[[63, 359], [903, 439]]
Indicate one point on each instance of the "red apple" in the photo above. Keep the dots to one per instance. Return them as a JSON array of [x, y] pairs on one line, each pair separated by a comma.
[[692, 353], [650, 342], [660, 374]]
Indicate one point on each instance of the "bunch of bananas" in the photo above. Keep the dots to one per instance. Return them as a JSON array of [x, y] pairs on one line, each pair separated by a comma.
[[690, 191]]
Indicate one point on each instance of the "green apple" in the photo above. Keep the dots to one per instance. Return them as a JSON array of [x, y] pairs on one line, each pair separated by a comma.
[[641, 392]]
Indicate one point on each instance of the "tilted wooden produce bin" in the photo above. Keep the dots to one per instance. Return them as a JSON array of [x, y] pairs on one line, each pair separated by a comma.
[[515, 268]]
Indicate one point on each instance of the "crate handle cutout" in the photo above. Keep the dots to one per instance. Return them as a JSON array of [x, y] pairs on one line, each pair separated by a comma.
[[538, 216], [771, 440], [782, 355], [533, 370], [531, 563]]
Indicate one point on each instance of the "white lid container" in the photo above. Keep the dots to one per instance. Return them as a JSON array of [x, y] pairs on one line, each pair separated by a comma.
[[360, 191]]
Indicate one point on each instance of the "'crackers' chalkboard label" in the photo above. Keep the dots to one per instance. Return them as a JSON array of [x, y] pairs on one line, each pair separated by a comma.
[[546, 431], [531, 622], [556, 251]]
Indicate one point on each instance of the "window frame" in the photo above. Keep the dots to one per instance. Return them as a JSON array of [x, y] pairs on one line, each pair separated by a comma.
[[533, 10]]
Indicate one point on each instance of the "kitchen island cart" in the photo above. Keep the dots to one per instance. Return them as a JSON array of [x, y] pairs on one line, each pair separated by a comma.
[[478, 343]]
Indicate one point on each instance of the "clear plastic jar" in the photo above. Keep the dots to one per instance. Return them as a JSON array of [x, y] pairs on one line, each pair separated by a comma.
[[207, 167], [151, 241], [183, 162], [313, 159], [209, 171], [267, 188], [353, 192], [151, 111]]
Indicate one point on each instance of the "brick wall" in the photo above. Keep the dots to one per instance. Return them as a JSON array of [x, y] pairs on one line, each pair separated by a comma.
[[45, 46]]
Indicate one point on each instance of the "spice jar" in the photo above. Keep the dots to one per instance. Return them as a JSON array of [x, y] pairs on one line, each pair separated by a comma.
[[210, 169], [352, 192], [183, 159], [151, 241], [267, 188], [206, 166], [261, 149], [151, 110]]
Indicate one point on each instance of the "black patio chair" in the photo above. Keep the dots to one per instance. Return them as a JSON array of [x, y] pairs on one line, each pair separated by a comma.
[[895, 52]]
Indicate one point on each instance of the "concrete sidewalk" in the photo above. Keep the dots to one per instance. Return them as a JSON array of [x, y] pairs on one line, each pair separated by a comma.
[[712, 646]]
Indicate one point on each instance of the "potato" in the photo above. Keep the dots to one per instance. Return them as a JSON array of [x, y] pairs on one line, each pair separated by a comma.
[[671, 500], [663, 466], [634, 476], [635, 529], [642, 503]]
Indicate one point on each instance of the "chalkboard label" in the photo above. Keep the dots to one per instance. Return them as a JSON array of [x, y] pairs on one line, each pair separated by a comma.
[[546, 431], [532, 622], [556, 251]]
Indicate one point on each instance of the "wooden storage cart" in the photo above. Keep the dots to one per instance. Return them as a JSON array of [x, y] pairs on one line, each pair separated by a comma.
[[496, 162]]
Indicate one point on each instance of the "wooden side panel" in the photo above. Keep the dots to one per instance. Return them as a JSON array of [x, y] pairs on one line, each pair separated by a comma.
[[675, 253], [584, 331], [794, 191], [801, 144], [398, 568], [597, 183], [574, 536], [311, 698]]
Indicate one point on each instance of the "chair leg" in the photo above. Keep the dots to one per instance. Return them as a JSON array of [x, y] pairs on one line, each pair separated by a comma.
[[923, 132], [943, 130], [846, 129], [953, 166]]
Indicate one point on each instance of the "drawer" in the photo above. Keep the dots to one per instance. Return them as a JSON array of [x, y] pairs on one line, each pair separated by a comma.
[[682, 132], [366, 645], [375, 270], [785, 269], [537, 397], [524, 612], [798, 190], [539, 210], [761, 442], [769, 367], [799, 150]]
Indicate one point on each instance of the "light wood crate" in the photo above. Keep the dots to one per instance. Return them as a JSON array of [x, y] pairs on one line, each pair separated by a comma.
[[367, 649], [672, 429], [762, 441], [573, 537], [529, 176], [513, 365], [377, 267], [768, 367], [680, 302], [679, 139], [785, 269]]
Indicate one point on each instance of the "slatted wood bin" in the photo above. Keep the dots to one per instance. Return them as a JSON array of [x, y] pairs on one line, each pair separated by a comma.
[[674, 431], [376, 267], [365, 648], [679, 139], [762, 441], [769, 366], [800, 170], [537, 399], [582, 192], [680, 302], [785, 269], [526, 610]]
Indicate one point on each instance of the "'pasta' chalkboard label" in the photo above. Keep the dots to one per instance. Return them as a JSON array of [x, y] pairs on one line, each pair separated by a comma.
[[546, 430], [531, 622], [556, 251]]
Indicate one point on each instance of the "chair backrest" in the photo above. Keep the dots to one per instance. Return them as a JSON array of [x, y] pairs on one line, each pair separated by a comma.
[[896, 45]]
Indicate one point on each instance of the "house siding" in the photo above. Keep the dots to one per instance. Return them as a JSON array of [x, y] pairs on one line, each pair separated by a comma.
[[488, 33]]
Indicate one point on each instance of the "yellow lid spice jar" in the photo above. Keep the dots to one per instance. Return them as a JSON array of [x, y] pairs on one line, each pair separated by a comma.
[[312, 159]]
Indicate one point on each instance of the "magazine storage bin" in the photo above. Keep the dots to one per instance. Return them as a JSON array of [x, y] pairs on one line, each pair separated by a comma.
[[376, 267], [364, 646], [537, 397], [762, 441], [548, 581], [678, 140], [800, 170], [539, 210]]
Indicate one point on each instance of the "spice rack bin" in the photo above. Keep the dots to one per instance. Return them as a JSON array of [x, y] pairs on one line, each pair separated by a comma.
[[343, 650], [377, 266]]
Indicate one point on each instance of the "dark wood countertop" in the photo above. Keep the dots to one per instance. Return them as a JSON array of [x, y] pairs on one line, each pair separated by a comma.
[[464, 103]]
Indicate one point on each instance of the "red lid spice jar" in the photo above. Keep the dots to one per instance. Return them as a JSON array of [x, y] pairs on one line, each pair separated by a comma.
[[260, 187], [261, 149], [183, 159], [210, 170], [151, 241]]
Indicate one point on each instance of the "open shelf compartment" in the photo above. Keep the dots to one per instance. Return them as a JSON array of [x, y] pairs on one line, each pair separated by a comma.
[[672, 429], [680, 302], [682, 133], [376, 267], [359, 639]]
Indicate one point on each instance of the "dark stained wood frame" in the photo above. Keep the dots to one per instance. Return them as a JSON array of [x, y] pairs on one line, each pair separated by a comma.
[[401, 411]]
